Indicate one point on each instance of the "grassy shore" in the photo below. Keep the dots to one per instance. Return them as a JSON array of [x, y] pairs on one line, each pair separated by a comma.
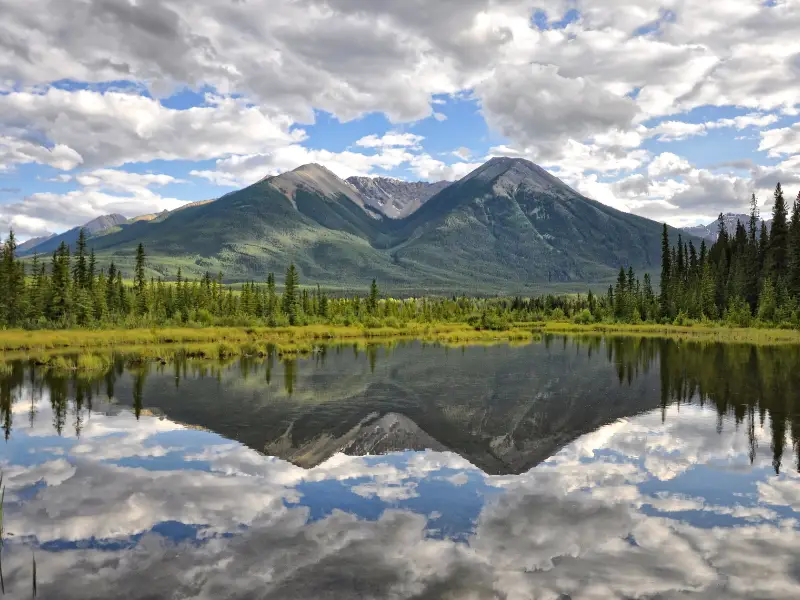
[[303, 339], [709, 333], [39, 341]]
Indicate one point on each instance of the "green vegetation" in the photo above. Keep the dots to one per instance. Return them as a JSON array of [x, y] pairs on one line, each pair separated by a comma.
[[747, 280], [508, 228]]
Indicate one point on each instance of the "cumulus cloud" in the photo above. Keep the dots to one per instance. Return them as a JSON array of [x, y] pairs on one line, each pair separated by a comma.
[[101, 192], [668, 164], [96, 129], [538, 107], [390, 140], [572, 96]]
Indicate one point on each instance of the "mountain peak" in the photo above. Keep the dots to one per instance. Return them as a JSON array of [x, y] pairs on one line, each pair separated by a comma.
[[509, 173], [395, 198], [316, 179]]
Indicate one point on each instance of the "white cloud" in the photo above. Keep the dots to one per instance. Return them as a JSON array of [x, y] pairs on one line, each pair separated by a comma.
[[670, 131], [102, 191], [428, 168], [391, 140], [571, 98], [779, 142], [668, 164], [113, 128]]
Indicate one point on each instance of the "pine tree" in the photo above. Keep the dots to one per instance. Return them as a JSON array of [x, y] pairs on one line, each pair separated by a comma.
[[81, 269], [372, 302], [620, 295], [793, 275], [666, 267], [139, 282], [752, 229], [778, 248], [272, 299], [708, 301], [59, 303], [289, 302], [92, 273], [767, 301]]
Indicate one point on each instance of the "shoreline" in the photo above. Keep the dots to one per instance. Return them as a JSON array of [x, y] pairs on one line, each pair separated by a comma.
[[42, 341]]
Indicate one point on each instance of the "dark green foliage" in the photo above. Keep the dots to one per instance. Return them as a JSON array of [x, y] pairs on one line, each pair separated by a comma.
[[793, 274], [778, 247], [741, 275], [289, 302]]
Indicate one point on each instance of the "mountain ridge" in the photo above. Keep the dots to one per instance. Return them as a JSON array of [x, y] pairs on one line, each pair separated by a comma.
[[396, 198], [507, 226]]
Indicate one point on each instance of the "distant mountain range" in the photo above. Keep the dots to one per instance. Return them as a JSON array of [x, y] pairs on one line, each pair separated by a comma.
[[92, 228], [507, 226], [711, 231]]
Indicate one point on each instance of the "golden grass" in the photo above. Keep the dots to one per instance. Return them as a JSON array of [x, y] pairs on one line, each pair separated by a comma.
[[708, 333], [229, 342], [41, 341]]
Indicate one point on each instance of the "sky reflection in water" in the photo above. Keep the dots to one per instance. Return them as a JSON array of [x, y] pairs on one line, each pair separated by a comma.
[[659, 478]]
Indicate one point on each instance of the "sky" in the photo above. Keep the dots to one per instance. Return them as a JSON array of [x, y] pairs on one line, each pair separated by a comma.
[[674, 110]]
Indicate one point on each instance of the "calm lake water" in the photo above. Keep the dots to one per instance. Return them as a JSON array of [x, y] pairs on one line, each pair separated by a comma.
[[564, 469]]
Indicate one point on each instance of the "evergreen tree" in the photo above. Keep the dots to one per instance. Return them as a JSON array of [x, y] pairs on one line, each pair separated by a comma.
[[778, 248], [59, 302], [666, 268], [289, 302], [793, 275], [752, 228], [81, 269], [620, 295], [767, 301], [272, 298], [372, 302], [139, 282]]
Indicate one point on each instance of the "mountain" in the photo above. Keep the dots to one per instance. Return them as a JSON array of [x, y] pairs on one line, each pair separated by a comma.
[[508, 226], [395, 198], [70, 237], [711, 231], [512, 222], [32, 243]]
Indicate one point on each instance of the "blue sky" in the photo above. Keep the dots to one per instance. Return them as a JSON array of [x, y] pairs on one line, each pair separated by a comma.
[[673, 111]]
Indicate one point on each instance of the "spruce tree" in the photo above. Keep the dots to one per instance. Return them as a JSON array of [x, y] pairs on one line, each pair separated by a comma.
[[372, 302], [81, 269], [666, 266], [620, 295], [778, 248], [793, 275], [752, 228], [289, 302], [139, 282]]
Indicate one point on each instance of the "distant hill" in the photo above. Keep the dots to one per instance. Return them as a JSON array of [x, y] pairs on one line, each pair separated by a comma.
[[711, 231], [32, 243], [395, 198], [508, 226], [70, 237]]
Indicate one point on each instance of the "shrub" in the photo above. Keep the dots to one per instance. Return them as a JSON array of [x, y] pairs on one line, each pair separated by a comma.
[[584, 317]]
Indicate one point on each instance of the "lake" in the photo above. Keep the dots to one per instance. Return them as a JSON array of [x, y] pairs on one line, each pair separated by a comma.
[[567, 468]]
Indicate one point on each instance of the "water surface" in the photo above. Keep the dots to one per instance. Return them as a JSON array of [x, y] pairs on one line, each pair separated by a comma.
[[564, 469]]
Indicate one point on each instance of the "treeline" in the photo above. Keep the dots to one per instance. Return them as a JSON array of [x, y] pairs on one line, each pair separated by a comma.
[[748, 274], [747, 277], [70, 290]]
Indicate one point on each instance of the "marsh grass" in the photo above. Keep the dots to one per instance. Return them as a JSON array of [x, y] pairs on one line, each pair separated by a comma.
[[37, 342], [707, 333]]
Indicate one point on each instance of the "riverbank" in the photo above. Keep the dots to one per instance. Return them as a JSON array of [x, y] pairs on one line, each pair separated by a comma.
[[34, 342]]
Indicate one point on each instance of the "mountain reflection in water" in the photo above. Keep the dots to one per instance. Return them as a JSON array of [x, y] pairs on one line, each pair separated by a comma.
[[578, 468]]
